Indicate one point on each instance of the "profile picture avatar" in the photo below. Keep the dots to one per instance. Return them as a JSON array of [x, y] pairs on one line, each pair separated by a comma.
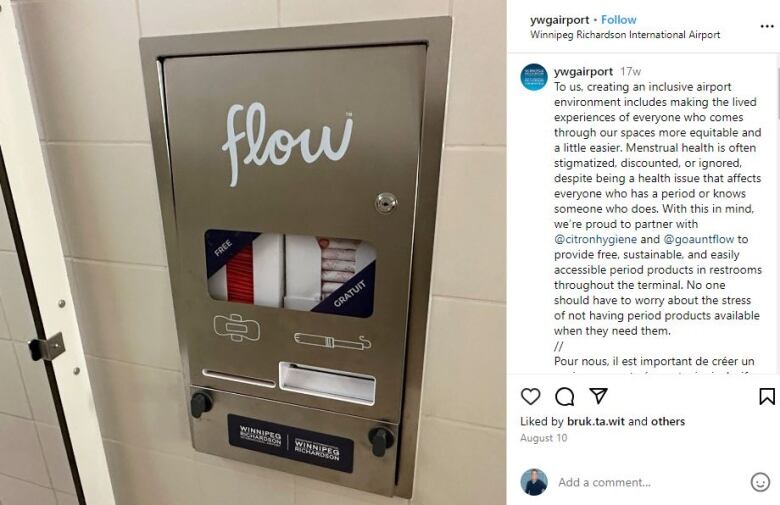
[[533, 77], [533, 482]]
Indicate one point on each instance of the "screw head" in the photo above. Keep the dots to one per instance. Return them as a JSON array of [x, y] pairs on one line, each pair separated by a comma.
[[61, 303], [76, 371]]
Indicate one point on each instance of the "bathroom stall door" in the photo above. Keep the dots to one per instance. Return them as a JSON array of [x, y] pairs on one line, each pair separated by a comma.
[[34, 432], [51, 450]]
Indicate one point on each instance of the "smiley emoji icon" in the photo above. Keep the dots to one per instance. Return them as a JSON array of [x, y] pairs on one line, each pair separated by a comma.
[[759, 482]]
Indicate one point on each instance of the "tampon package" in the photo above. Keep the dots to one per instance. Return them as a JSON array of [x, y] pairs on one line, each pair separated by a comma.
[[317, 274]]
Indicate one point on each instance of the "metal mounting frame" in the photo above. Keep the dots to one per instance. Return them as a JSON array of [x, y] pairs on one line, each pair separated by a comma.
[[435, 33]]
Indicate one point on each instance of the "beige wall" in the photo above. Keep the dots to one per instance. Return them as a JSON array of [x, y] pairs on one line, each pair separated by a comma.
[[85, 67]]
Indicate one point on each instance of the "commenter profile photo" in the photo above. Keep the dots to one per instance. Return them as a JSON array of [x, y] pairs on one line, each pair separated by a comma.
[[534, 482]]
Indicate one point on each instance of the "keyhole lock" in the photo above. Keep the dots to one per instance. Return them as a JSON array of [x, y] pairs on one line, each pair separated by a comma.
[[381, 440], [385, 203]]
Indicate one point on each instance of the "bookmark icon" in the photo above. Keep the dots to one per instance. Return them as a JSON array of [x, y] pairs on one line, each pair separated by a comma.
[[766, 395]]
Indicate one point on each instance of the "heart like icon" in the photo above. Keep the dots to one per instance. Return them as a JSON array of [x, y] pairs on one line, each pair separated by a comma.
[[530, 395]]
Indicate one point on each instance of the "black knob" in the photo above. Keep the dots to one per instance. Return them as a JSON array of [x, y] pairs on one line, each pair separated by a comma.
[[381, 440], [34, 345], [199, 403]]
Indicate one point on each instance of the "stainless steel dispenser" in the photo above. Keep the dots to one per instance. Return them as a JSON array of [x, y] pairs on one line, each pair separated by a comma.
[[298, 174]]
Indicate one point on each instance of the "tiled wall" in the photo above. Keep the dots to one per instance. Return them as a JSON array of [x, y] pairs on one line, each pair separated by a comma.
[[84, 61]]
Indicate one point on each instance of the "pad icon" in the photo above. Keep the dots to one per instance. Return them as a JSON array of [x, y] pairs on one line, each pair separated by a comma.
[[237, 328]]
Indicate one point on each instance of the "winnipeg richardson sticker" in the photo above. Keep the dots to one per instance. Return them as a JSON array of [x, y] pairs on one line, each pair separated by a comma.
[[280, 144], [288, 442]]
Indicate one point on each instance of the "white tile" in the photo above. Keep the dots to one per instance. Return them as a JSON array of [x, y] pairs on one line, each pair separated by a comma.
[[126, 313], [219, 486], [37, 386], [20, 451], [465, 372], [193, 16], [144, 477], [108, 201], [56, 458], [13, 296], [476, 111], [13, 399], [470, 251], [141, 405], [458, 464], [17, 492], [86, 69], [306, 12], [66, 499], [313, 492]]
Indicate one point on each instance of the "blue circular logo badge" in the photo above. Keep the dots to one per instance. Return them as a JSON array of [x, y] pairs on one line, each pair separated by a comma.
[[533, 77]]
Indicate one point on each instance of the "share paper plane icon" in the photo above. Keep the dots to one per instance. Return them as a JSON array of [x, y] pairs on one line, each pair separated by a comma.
[[599, 393]]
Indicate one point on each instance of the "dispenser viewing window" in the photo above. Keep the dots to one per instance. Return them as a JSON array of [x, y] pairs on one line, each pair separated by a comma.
[[318, 274], [298, 174]]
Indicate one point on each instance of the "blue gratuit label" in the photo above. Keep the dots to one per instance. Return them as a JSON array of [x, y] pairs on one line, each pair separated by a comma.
[[355, 298]]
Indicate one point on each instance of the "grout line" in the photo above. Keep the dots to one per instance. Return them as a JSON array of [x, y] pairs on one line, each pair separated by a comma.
[[25, 387], [193, 457], [465, 424], [467, 299], [46, 459], [98, 142], [155, 451], [57, 492], [475, 147], [137, 5], [133, 363], [30, 482], [196, 461], [37, 433], [342, 493], [19, 2], [32, 415], [45, 423], [4, 322], [151, 266], [149, 143], [17, 416]]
